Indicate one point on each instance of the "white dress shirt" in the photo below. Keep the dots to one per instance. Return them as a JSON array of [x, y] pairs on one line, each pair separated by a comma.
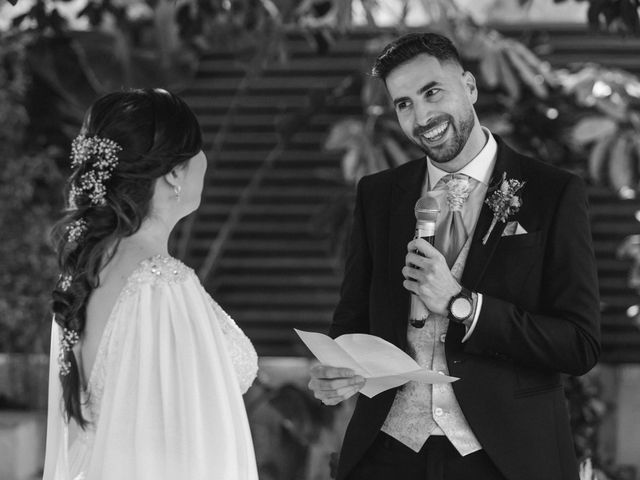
[[480, 169]]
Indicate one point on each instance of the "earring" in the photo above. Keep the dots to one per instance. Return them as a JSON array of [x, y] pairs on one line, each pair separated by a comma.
[[176, 191]]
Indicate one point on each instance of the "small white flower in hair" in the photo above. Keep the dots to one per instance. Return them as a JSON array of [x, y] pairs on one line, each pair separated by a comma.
[[100, 156], [65, 282], [68, 339], [76, 229], [105, 151]]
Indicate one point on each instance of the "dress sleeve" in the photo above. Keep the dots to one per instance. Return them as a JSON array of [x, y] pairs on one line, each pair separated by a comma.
[[171, 406]]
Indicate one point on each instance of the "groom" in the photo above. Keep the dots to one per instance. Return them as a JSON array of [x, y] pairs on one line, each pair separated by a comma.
[[510, 288]]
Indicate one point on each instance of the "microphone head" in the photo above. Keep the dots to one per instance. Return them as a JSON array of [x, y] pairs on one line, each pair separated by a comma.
[[427, 209]]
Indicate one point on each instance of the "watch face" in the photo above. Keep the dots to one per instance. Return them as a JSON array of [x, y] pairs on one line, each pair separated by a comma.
[[461, 308]]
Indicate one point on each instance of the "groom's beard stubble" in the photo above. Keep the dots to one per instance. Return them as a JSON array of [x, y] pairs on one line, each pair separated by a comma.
[[449, 150]]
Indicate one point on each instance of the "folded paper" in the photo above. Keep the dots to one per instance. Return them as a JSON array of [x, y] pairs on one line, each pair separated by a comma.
[[382, 364]]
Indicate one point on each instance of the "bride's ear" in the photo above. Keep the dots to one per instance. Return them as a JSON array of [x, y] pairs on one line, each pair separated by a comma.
[[175, 178]]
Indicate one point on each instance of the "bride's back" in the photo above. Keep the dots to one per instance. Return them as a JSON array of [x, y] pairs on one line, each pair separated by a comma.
[[102, 300]]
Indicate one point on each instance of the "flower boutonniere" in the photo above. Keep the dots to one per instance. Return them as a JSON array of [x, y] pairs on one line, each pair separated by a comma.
[[504, 202]]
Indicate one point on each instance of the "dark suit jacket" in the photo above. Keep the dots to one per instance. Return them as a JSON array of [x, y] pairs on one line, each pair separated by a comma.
[[539, 318]]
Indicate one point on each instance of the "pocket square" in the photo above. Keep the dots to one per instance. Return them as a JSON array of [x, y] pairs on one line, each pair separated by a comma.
[[513, 228]]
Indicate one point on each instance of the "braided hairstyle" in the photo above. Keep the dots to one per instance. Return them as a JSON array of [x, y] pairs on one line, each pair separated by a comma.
[[153, 132]]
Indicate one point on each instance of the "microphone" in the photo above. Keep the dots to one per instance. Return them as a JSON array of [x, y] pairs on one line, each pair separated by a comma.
[[426, 211]]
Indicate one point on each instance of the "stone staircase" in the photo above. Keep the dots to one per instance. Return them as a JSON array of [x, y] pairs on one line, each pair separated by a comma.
[[276, 271]]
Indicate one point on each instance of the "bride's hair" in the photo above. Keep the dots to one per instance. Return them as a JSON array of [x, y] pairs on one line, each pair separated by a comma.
[[135, 136]]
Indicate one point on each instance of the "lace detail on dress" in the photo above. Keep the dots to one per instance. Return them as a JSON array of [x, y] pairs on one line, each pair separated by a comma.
[[243, 355], [154, 271]]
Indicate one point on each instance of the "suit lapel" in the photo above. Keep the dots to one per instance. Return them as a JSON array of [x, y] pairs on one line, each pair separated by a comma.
[[406, 189], [480, 254]]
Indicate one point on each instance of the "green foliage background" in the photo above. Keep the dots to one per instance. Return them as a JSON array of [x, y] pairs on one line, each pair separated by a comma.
[[28, 176]]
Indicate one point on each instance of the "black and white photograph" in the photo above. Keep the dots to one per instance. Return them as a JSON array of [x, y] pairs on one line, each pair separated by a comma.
[[320, 239]]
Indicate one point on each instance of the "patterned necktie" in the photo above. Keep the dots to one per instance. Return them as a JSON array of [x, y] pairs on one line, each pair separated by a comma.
[[452, 234]]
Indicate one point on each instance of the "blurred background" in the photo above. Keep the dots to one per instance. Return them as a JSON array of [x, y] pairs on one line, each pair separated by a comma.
[[292, 121]]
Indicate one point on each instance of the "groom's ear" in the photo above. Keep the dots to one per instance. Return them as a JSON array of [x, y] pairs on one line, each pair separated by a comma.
[[470, 84]]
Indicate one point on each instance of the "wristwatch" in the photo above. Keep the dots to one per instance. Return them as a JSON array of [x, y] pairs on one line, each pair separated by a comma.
[[461, 306]]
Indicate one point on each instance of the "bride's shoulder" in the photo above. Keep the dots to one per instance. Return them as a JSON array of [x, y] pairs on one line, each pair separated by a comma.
[[158, 270]]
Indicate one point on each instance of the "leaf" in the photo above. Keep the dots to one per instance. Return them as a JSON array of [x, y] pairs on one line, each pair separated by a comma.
[[93, 12], [57, 21], [635, 149], [629, 248], [629, 15], [596, 7], [509, 79], [374, 92], [433, 10], [351, 165], [598, 157], [369, 8], [592, 128], [541, 67], [490, 66], [344, 134], [528, 76], [343, 15], [620, 164], [166, 32], [16, 21]]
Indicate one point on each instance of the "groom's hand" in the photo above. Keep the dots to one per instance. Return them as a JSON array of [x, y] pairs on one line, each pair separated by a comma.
[[428, 276], [332, 385]]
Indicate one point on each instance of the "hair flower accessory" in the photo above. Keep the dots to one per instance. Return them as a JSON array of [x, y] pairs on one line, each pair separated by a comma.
[[104, 150], [504, 202], [65, 282], [100, 156], [76, 229], [68, 339]]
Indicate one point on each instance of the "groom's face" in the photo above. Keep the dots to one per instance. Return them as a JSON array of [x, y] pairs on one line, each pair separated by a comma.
[[434, 105]]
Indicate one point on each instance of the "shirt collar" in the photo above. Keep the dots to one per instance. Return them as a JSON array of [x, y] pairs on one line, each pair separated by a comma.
[[479, 168]]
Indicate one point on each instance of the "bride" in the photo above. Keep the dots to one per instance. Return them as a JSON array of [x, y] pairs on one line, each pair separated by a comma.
[[147, 371]]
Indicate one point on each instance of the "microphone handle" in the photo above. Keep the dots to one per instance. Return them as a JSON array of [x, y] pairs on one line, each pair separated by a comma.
[[431, 239], [426, 231]]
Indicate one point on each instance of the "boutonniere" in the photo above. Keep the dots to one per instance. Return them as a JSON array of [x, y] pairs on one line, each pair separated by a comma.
[[504, 202]]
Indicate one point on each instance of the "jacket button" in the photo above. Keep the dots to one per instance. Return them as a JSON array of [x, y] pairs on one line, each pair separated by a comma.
[[443, 337]]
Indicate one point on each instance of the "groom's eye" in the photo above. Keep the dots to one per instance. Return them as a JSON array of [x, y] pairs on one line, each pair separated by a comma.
[[400, 106]]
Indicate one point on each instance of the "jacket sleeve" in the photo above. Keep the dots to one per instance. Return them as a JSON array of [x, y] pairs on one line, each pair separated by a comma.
[[564, 333], [352, 313]]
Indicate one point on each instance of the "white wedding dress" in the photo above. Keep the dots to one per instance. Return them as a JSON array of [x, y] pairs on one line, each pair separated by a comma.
[[164, 397]]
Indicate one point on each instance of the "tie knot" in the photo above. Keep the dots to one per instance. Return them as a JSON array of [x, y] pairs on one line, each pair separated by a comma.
[[458, 188]]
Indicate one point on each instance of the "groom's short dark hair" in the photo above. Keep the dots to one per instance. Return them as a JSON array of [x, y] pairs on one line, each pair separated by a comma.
[[411, 45]]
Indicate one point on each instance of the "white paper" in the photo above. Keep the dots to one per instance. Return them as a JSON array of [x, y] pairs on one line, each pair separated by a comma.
[[381, 363]]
